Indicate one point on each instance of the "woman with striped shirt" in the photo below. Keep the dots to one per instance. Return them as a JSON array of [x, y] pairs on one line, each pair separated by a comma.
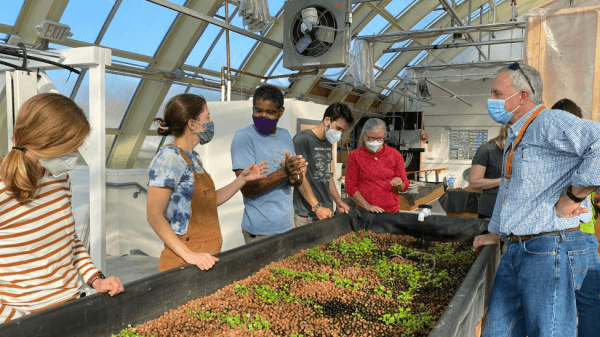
[[42, 262]]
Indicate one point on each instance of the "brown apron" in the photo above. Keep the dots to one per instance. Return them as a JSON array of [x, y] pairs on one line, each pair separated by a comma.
[[204, 232]]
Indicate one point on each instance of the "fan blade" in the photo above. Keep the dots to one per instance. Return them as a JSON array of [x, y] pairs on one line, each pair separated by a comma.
[[303, 43], [325, 35]]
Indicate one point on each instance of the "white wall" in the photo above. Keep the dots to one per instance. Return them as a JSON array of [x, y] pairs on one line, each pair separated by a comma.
[[450, 113], [126, 224], [216, 155]]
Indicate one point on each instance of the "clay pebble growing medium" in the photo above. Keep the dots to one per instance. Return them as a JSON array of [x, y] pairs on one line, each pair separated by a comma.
[[361, 284]]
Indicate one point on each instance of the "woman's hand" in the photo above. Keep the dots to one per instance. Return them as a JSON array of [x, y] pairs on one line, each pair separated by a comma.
[[111, 284], [374, 209], [255, 171], [204, 261], [398, 184]]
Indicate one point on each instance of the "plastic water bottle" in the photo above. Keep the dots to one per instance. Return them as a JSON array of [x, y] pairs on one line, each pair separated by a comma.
[[450, 181]]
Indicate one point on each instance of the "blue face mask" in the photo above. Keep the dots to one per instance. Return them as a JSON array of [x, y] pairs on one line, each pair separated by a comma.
[[208, 133], [497, 111]]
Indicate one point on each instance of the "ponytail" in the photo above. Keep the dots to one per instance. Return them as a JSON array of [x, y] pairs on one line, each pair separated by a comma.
[[47, 126], [19, 175]]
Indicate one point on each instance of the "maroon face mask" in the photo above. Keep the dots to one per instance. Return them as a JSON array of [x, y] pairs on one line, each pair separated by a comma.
[[264, 124]]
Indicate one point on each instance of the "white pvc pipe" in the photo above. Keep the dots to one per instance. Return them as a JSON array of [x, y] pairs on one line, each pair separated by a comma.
[[228, 90], [222, 92]]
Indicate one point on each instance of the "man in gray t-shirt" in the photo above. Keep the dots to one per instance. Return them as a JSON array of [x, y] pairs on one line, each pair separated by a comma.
[[313, 200]]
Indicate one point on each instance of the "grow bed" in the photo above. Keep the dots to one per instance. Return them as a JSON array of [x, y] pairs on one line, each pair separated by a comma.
[[149, 298], [362, 284]]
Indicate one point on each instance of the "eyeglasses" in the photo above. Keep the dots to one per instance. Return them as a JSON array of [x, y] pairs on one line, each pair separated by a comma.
[[257, 112], [373, 139], [515, 66]]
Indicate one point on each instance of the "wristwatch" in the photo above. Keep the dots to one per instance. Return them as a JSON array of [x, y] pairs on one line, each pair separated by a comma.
[[98, 275], [316, 207], [572, 196]]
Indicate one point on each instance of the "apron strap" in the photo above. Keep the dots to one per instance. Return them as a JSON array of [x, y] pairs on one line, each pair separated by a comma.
[[185, 156]]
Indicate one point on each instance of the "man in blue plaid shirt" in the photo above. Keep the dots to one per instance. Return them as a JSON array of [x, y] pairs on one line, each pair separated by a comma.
[[551, 164]]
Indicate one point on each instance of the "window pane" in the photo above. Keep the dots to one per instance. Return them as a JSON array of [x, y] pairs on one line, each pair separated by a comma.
[[203, 45], [110, 139], [139, 26], [239, 48], [86, 18], [10, 11], [63, 80], [119, 91], [147, 151], [280, 70], [208, 94], [175, 90], [374, 26], [399, 6]]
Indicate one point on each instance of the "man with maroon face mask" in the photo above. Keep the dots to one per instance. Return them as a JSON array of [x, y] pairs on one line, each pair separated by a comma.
[[268, 207]]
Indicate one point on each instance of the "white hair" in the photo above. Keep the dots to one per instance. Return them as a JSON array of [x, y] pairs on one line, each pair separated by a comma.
[[371, 124], [520, 82]]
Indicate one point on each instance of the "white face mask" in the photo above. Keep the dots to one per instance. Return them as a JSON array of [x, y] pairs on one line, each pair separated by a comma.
[[333, 136], [60, 165], [373, 145]]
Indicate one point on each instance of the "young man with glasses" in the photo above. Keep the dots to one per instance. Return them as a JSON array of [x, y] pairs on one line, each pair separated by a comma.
[[551, 163], [267, 202], [313, 200]]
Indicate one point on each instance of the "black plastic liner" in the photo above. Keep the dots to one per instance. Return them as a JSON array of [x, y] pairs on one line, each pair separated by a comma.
[[148, 298]]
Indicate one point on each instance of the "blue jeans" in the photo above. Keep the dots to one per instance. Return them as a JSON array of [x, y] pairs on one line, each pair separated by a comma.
[[537, 279], [588, 297]]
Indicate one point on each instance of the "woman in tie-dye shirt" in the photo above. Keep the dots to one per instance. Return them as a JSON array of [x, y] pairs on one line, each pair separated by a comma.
[[182, 200]]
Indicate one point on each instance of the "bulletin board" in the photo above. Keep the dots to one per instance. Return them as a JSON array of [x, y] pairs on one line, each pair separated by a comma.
[[464, 143]]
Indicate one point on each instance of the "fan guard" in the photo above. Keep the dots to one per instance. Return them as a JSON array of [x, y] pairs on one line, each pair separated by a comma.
[[321, 39]]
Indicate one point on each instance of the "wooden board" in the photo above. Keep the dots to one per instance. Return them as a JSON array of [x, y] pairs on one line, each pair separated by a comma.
[[405, 204]]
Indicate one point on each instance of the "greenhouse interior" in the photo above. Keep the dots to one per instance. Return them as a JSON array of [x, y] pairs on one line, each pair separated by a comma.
[[299, 167]]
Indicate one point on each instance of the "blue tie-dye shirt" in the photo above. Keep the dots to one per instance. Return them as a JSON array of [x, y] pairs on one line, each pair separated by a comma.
[[169, 169]]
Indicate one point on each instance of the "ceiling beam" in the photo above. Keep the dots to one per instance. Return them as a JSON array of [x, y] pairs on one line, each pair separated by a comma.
[[503, 14], [176, 46], [409, 19]]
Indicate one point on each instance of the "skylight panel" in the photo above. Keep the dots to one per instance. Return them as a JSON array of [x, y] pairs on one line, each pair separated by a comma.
[[280, 70], [175, 90], [374, 26], [10, 11], [203, 45], [428, 20], [398, 7], [240, 46], [147, 151], [119, 92], [86, 18], [139, 26], [208, 94], [63, 80]]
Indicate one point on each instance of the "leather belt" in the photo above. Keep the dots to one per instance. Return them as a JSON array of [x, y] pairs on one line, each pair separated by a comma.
[[515, 238]]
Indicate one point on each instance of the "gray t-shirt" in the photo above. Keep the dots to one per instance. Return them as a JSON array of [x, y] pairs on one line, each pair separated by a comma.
[[489, 155], [317, 154]]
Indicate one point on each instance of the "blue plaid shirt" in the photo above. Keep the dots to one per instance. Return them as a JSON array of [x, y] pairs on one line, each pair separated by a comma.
[[557, 150]]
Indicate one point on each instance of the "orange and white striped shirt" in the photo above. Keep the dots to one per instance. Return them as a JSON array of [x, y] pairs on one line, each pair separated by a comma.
[[41, 256]]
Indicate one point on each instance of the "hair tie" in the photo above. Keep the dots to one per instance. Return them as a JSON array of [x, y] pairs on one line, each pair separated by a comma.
[[22, 149], [163, 127]]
